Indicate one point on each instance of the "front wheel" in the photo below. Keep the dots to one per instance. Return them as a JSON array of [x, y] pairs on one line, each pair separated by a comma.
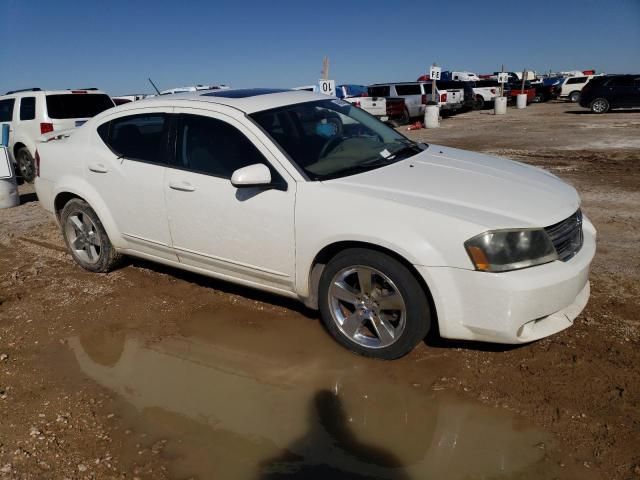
[[372, 304], [86, 238], [26, 165], [574, 97], [600, 105]]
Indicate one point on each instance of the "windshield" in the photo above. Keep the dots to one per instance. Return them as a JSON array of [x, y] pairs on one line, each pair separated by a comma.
[[76, 105], [331, 138]]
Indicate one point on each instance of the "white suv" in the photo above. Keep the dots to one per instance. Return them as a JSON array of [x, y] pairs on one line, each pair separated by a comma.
[[307, 196], [33, 112], [572, 87]]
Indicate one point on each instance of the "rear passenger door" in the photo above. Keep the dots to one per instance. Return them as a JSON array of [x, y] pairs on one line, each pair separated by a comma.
[[412, 94], [127, 169]]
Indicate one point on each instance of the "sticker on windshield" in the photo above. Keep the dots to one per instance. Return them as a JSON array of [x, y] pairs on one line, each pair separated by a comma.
[[341, 103], [385, 153]]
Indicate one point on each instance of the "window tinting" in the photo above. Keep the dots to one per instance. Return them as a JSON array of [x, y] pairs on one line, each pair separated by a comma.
[[379, 91], [28, 108], [575, 80], [77, 105], [622, 82], [137, 137], [6, 110], [413, 89], [214, 147]]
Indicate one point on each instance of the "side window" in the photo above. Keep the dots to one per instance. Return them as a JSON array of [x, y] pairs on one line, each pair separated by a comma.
[[211, 146], [622, 82], [6, 109], [379, 91], [413, 89], [137, 137], [28, 108], [573, 81]]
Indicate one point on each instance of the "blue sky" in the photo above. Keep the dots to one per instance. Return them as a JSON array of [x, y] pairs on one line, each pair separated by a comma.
[[117, 44]]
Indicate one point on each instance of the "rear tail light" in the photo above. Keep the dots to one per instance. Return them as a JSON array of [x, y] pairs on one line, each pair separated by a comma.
[[443, 97], [46, 128], [78, 91], [37, 162]]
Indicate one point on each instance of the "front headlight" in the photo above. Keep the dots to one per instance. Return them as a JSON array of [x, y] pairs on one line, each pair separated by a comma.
[[504, 250]]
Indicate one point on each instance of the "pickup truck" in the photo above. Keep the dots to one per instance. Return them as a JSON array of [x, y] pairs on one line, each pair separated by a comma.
[[485, 91], [516, 89], [457, 93], [392, 110]]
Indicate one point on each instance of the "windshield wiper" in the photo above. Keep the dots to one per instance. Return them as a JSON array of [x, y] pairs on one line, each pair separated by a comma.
[[412, 149]]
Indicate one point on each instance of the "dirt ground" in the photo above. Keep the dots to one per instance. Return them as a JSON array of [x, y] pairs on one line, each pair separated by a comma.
[[149, 372]]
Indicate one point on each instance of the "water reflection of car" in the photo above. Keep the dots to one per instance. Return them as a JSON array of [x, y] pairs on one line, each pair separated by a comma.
[[341, 415], [307, 196]]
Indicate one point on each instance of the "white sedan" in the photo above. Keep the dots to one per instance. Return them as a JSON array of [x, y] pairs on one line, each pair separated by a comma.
[[309, 197]]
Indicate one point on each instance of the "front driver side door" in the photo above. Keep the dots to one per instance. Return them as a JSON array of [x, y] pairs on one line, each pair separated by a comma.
[[245, 234]]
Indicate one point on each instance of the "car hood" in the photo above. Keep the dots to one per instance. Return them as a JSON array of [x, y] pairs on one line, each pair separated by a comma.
[[484, 189]]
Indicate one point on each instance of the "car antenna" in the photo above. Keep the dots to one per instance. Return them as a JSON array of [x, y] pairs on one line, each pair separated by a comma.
[[154, 86]]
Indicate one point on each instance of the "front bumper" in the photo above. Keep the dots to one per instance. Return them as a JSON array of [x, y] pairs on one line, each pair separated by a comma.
[[512, 307]]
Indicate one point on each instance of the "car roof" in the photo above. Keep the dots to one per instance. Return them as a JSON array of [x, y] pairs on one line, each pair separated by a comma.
[[247, 100]]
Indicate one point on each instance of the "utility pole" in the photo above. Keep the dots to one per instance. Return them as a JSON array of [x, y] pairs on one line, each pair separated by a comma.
[[433, 87], [325, 68]]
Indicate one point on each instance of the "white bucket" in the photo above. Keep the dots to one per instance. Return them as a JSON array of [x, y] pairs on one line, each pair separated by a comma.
[[521, 100], [9, 196], [500, 105], [432, 116]]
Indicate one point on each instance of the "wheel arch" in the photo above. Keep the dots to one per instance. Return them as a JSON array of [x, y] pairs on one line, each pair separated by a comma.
[[64, 195], [330, 250]]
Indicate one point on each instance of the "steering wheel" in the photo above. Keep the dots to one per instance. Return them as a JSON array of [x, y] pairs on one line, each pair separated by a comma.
[[330, 145]]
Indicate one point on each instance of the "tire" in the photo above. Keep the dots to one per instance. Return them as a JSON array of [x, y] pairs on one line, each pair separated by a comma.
[[539, 98], [86, 238], [478, 102], [356, 316], [574, 97], [403, 120], [600, 105], [26, 165]]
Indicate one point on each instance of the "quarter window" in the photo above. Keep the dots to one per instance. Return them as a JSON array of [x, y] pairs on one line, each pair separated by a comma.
[[211, 146], [137, 137], [28, 108], [6, 110]]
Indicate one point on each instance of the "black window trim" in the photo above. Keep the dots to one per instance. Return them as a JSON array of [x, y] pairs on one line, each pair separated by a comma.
[[165, 153], [278, 182]]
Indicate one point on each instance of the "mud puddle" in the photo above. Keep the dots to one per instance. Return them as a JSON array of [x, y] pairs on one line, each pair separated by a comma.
[[226, 402]]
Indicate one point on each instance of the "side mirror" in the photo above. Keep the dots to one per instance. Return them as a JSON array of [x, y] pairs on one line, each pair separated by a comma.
[[252, 176]]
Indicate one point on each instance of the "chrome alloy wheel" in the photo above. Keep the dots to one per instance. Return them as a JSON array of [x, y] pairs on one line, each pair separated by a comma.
[[599, 106], [83, 237], [367, 307]]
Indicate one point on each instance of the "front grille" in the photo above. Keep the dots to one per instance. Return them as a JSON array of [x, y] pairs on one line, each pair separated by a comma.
[[566, 236]]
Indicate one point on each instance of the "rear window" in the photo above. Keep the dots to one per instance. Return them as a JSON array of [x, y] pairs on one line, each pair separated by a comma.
[[379, 91], [413, 89], [77, 105]]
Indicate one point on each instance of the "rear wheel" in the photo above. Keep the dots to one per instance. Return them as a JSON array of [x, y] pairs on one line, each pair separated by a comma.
[[86, 238], [372, 304], [478, 102], [574, 97], [402, 120], [600, 105], [26, 165], [539, 98]]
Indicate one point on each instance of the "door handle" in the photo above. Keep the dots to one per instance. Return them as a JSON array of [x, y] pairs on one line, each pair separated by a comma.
[[98, 168], [182, 186]]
